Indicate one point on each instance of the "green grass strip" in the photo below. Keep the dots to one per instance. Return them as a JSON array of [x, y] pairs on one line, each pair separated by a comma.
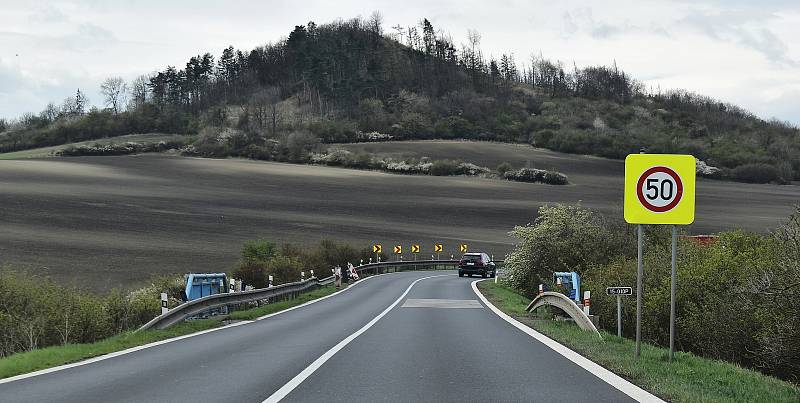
[[49, 357], [267, 309], [688, 378]]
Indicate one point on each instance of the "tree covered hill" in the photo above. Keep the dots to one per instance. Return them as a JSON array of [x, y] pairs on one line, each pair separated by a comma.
[[346, 80]]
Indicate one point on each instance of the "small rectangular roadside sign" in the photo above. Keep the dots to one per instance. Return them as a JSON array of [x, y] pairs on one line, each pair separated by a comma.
[[619, 290]]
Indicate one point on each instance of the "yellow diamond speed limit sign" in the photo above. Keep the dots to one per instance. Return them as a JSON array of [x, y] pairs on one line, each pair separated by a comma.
[[659, 189]]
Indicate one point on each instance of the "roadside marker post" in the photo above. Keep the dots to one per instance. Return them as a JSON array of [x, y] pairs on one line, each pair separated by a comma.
[[302, 276], [438, 249], [415, 250], [659, 189], [270, 280], [164, 308], [619, 292], [312, 273], [586, 298], [541, 289], [232, 286]]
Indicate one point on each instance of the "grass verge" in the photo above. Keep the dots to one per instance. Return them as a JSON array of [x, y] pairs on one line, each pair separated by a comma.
[[688, 378], [267, 309], [49, 357]]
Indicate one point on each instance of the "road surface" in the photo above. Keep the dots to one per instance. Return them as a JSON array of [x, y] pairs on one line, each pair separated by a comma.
[[412, 336]]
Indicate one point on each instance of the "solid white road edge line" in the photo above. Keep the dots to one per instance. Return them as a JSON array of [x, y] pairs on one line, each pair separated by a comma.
[[304, 374], [595, 369], [165, 341]]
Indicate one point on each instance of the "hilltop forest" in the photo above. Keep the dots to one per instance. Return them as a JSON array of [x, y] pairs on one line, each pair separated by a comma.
[[354, 80]]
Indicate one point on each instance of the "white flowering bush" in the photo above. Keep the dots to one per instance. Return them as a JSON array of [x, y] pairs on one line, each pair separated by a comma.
[[117, 149], [704, 169], [537, 175], [470, 169]]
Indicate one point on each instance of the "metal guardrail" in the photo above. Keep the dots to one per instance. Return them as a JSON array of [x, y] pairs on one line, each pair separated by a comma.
[[288, 290]]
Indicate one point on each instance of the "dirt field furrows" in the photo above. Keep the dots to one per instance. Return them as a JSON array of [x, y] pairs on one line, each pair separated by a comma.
[[105, 222]]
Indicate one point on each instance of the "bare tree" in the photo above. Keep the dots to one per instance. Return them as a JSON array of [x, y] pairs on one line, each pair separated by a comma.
[[138, 91], [114, 89], [50, 112], [265, 109]]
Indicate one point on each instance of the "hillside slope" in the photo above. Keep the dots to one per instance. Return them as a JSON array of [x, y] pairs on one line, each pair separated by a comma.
[[104, 222], [338, 81]]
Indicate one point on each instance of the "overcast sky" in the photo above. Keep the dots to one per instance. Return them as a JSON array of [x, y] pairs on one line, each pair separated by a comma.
[[743, 52]]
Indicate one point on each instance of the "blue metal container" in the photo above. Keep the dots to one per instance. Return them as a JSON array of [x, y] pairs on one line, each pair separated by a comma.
[[571, 282], [199, 285]]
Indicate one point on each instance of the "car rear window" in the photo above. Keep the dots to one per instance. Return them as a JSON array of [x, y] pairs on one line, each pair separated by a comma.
[[471, 258]]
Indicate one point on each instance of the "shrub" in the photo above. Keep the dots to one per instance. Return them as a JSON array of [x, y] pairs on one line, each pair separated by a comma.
[[252, 272], [563, 238], [258, 250], [755, 173], [36, 312], [503, 168], [444, 168], [534, 175]]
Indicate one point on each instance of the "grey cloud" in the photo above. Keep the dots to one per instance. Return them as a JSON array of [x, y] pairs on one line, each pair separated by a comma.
[[48, 14], [582, 19], [733, 26]]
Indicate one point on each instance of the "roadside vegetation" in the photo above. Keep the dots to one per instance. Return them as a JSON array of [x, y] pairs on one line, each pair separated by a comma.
[[403, 83], [427, 166], [34, 360], [37, 313], [689, 378], [736, 297]]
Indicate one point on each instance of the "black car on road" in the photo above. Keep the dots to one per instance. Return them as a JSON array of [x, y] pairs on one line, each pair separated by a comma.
[[476, 263]]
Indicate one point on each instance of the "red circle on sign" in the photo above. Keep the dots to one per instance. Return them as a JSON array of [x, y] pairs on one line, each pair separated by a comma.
[[678, 192]]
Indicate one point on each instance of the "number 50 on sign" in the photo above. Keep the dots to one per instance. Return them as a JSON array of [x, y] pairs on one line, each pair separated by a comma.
[[659, 189]]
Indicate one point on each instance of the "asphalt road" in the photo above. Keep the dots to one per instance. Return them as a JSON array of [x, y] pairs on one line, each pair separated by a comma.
[[428, 353]]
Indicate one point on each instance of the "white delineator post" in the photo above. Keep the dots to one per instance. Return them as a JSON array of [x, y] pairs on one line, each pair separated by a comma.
[[270, 280], [232, 285], [586, 297], [312, 273], [164, 308], [302, 276], [541, 289]]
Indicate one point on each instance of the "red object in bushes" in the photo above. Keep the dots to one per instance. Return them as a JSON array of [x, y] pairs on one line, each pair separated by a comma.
[[703, 240]]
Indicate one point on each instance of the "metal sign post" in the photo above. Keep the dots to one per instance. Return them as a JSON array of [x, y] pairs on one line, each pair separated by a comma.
[[639, 275], [619, 316], [673, 289], [659, 189], [619, 292]]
